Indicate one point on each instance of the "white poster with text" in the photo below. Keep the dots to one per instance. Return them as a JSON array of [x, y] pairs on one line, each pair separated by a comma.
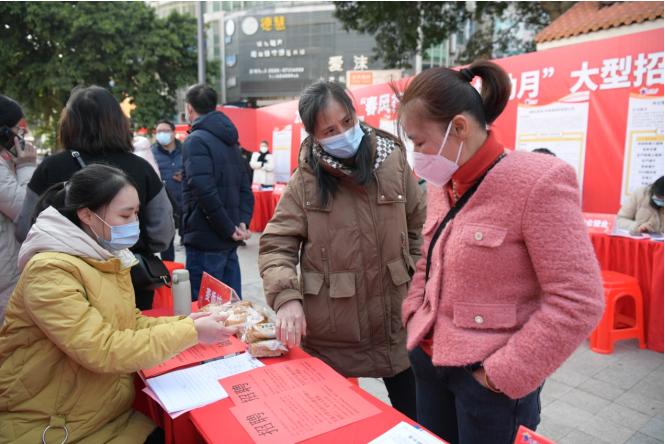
[[561, 127], [643, 156], [281, 148]]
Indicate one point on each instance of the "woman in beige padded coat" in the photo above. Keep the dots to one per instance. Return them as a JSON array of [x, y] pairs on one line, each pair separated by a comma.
[[351, 218]]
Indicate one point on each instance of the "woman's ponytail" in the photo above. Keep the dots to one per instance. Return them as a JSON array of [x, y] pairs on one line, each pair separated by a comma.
[[54, 196], [440, 94], [495, 90]]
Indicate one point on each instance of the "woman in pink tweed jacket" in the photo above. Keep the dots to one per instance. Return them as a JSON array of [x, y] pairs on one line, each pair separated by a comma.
[[514, 286]]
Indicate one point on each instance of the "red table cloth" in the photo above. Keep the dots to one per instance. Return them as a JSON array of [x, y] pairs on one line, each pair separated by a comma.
[[215, 423], [643, 259], [264, 208]]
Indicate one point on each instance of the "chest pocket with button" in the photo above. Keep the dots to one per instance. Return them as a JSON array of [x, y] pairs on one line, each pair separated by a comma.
[[484, 316], [481, 235], [391, 188]]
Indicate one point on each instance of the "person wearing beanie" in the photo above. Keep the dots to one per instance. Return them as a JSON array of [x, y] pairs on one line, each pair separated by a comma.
[[17, 163]]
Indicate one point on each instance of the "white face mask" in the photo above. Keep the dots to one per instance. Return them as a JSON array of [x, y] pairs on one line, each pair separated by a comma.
[[164, 138], [263, 149], [344, 145], [435, 168]]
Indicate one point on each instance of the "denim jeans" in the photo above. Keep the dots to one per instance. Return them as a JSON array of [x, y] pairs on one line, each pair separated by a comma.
[[402, 392], [453, 405], [222, 265]]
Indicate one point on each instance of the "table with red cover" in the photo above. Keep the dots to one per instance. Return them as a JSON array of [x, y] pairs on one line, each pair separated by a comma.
[[265, 203], [264, 208], [215, 423], [643, 259]]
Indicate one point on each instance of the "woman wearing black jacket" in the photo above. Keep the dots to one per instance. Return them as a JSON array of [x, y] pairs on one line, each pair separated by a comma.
[[94, 125]]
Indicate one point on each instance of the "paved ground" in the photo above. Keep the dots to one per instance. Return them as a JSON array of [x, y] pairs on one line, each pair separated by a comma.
[[592, 398]]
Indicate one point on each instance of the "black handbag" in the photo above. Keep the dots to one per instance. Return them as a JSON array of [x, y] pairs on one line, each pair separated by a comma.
[[150, 273]]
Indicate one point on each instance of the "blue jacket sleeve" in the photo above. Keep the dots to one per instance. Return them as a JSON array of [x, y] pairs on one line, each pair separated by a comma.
[[201, 180]]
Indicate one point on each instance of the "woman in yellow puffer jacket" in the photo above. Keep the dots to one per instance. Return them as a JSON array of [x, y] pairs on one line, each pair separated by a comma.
[[72, 335]]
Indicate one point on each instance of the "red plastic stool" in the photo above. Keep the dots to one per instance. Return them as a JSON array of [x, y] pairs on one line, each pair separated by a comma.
[[163, 297], [615, 326]]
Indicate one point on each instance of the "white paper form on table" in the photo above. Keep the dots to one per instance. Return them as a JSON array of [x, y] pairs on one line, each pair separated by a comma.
[[618, 232], [404, 433], [152, 395], [197, 386]]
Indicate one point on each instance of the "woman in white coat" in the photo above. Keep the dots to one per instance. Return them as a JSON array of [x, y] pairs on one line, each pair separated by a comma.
[[17, 163], [143, 148], [263, 165]]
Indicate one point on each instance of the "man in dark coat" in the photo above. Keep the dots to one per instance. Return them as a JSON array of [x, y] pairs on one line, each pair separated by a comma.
[[217, 198]]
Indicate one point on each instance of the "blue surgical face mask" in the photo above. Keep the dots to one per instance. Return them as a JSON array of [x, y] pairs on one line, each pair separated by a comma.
[[122, 236], [164, 138], [657, 200], [344, 145]]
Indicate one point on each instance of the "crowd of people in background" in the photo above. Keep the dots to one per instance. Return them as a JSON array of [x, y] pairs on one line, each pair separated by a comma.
[[445, 294], [75, 228]]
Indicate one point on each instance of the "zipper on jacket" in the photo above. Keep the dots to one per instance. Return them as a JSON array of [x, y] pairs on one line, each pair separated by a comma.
[[326, 282], [405, 253], [386, 319]]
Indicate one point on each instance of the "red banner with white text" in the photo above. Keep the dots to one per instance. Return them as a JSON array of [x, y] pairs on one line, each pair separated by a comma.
[[597, 105]]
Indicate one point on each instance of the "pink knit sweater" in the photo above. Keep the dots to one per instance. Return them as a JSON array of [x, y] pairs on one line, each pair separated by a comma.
[[514, 281]]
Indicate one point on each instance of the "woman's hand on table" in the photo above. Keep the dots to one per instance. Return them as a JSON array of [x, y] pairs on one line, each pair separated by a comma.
[[291, 325], [646, 228], [210, 327]]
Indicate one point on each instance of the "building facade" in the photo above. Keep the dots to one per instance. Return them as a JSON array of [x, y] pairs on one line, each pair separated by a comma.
[[271, 53]]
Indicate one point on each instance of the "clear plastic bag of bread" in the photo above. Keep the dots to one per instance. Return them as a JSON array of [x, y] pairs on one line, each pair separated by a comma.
[[259, 332], [245, 320], [237, 312], [261, 336], [256, 326], [266, 349], [234, 304], [267, 312]]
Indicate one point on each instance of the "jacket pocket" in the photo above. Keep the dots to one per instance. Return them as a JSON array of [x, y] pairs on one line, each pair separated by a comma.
[[398, 272], [312, 282], [331, 310], [484, 316], [400, 277], [480, 235], [342, 285]]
